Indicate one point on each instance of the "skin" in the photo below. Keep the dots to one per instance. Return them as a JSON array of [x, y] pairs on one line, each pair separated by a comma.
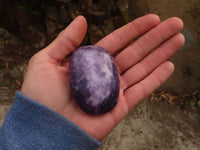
[[142, 65]]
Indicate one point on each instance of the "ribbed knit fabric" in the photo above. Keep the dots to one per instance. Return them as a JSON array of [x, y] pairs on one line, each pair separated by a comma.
[[30, 125]]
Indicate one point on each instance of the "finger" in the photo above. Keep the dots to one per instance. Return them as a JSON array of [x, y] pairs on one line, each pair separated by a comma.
[[68, 39], [118, 39], [144, 88], [140, 48], [153, 60]]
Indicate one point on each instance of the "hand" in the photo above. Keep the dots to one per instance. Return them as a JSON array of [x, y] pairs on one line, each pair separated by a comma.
[[142, 66]]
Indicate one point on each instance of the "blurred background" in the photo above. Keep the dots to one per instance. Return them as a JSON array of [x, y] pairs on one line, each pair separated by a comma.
[[168, 119]]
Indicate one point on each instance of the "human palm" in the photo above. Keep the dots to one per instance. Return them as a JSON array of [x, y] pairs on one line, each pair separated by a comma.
[[142, 67]]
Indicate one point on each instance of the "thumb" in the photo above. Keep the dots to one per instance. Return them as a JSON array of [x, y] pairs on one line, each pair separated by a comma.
[[68, 39]]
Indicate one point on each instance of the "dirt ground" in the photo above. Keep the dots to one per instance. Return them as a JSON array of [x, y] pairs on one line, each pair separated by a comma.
[[168, 119], [156, 126]]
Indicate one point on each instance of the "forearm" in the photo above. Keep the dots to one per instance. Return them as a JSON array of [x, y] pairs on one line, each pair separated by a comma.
[[31, 125]]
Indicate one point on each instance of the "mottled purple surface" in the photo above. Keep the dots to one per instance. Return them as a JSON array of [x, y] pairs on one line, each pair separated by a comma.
[[94, 79]]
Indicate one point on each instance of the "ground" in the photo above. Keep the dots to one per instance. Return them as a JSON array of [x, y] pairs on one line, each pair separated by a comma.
[[168, 119], [151, 126]]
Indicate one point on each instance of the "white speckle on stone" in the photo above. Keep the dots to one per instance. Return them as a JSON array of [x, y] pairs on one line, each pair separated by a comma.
[[97, 75]]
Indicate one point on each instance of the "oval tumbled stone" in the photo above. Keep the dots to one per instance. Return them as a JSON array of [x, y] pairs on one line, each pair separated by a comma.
[[94, 79]]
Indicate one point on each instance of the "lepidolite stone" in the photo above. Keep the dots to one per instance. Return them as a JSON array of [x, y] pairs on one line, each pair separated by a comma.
[[94, 79]]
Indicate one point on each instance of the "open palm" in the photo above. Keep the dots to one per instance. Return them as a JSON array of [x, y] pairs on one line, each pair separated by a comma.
[[142, 65]]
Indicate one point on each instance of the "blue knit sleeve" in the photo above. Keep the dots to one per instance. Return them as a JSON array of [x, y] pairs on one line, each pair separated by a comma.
[[30, 125]]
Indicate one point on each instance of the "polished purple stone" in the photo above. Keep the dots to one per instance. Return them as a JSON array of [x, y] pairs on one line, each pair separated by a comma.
[[94, 79]]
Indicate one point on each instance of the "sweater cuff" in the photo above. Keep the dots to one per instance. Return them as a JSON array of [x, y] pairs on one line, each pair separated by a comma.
[[35, 126]]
